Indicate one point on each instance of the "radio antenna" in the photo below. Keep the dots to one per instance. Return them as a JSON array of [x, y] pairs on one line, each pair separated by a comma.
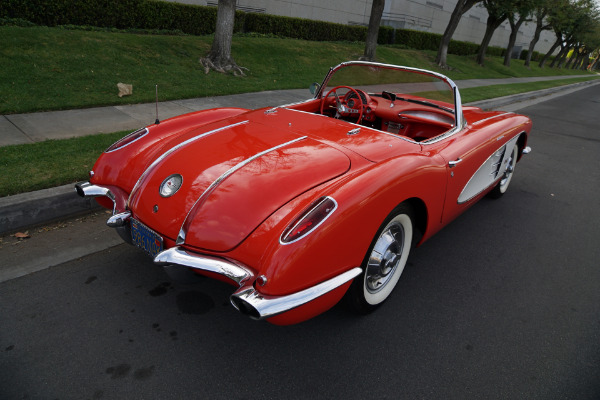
[[157, 120]]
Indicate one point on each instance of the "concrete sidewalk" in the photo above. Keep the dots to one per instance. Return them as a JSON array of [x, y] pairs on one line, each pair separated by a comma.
[[37, 127], [29, 209]]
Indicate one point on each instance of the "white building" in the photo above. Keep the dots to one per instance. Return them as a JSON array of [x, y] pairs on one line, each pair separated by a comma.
[[423, 15]]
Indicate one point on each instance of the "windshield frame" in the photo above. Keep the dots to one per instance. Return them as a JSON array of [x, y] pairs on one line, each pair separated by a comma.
[[458, 114]]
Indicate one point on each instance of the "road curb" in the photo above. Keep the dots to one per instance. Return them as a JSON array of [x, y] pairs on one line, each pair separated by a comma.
[[44, 206]]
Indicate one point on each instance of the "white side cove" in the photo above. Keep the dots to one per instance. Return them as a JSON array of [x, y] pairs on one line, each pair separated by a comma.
[[493, 168]]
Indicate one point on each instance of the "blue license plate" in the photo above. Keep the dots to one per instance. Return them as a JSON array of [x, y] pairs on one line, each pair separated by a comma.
[[145, 238]]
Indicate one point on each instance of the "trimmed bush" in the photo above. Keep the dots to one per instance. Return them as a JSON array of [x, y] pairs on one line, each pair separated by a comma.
[[155, 15], [299, 28]]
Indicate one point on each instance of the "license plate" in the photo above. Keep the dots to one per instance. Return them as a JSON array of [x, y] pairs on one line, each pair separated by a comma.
[[145, 238]]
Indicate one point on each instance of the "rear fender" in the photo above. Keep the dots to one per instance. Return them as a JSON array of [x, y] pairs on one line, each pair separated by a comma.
[[364, 200]]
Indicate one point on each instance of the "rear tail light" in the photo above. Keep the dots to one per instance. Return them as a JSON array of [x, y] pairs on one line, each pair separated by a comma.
[[314, 216], [132, 137]]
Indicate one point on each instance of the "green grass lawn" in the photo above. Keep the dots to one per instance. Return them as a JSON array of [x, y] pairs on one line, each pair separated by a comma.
[[45, 68], [28, 167]]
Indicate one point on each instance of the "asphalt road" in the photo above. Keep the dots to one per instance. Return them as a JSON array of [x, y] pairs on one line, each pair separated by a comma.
[[502, 304]]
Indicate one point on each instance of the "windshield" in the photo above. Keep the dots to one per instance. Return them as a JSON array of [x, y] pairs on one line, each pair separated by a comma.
[[380, 80]]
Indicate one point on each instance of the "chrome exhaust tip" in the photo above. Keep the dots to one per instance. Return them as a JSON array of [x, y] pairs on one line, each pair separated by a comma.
[[244, 307]]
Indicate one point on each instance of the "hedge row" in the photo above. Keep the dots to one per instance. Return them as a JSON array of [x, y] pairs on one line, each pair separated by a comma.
[[200, 20]]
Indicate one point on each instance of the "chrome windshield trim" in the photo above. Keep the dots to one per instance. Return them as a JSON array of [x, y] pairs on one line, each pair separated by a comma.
[[182, 233], [458, 113], [258, 306], [179, 256], [175, 148]]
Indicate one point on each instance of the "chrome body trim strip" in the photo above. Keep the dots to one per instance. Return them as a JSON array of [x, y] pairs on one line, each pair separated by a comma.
[[488, 173], [178, 256], [213, 186], [173, 149], [118, 220], [258, 306], [481, 121]]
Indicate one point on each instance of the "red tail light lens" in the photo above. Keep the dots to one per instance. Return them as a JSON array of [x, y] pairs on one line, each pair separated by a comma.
[[314, 216], [132, 137]]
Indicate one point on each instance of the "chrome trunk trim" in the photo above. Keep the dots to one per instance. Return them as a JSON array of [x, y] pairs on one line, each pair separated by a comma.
[[173, 149], [179, 256], [213, 186], [257, 306]]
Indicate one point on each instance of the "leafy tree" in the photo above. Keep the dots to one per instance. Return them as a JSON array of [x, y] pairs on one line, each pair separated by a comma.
[[569, 20], [373, 32], [462, 6], [219, 58]]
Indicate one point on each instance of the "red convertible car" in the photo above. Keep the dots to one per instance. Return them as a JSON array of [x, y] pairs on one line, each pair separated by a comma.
[[303, 204]]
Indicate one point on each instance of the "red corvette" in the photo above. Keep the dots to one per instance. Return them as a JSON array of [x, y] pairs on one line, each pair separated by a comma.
[[301, 204]]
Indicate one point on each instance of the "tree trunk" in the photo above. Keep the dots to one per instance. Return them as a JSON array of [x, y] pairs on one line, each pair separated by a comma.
[[514, 31], [492, 24], [539, 27], [536, 37], [462, 6], [219, 58], [547, 55], [373, 32], [585, 60], [559, 56], [573, 57]]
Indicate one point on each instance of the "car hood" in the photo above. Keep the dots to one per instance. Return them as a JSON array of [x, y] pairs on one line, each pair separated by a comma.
[[234, 177]]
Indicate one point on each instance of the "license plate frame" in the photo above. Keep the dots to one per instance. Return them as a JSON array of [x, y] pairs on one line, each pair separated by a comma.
[[145, 238]]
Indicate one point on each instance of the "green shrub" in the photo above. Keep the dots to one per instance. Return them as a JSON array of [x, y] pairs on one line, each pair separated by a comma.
[[299, 28], [159, 16], [535, 56]]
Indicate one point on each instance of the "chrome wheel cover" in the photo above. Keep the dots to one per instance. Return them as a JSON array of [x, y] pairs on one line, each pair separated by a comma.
[[384, 258], [387, 259]]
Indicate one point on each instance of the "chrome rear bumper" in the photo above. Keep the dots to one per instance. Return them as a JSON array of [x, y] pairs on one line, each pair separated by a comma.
[[247, 299], [87, 189]]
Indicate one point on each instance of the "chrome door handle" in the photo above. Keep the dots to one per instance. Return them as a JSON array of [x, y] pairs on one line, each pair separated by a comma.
[[452, 164]]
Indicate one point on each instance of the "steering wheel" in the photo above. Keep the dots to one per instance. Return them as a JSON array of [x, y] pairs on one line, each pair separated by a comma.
[[342, 108]]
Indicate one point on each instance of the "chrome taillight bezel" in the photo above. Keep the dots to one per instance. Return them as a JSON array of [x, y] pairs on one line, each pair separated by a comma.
[[288, 236], [127, 140]]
